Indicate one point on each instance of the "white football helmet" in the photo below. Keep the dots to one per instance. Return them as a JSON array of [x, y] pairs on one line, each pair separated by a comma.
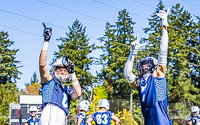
[[84, 105], [61, 78], [104, 103], [33, 110], [195, 111]]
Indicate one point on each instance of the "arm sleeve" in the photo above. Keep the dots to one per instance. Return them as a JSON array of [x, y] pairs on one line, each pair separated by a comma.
[[162, 57], [130, 77]]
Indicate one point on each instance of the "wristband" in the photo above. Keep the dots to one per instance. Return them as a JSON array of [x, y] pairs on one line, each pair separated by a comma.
[[45, 45], [75, 83]]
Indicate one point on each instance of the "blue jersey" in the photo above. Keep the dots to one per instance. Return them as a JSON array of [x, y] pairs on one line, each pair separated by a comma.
[[102, 117], [83, 117], [31, 121], [195, 120], [52, 92], [153, 95]]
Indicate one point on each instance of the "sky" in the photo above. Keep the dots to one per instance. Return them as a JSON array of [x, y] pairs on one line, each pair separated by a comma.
[[22, 19]]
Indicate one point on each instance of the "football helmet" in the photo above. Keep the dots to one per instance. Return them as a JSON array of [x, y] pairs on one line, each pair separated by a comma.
[[104, 103], [84, 105], [148, 61]]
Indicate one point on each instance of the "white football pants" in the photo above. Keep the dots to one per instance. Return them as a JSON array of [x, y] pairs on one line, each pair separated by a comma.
[[52, 115]]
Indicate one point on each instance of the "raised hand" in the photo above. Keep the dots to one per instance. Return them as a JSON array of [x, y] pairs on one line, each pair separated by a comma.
[[135, 45], [70, 67], [47, 33], [162, 14]]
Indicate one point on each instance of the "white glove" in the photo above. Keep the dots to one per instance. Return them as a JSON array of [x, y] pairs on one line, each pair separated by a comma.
[[135, 46], [162, 14]]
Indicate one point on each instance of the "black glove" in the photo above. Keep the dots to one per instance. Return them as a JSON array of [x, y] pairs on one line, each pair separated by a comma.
[[47, 33], [69, 66]]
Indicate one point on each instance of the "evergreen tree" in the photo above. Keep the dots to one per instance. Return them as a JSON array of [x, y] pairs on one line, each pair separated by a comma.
[[8, 73], [115, 55], [181, 31], [8, 64], [34, 78], [76, 47]]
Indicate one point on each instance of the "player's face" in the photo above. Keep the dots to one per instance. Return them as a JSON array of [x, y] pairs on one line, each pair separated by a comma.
[[195, 113], [33, 113], [145, 67], [61, 71]]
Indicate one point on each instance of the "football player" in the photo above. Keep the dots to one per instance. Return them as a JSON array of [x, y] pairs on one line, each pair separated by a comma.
[[83, 107], [103, 117], [33, 119], [151, 82], [194, 119], [56, 96]]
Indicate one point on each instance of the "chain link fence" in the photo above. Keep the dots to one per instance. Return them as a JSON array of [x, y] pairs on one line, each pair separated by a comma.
[[178, 112]]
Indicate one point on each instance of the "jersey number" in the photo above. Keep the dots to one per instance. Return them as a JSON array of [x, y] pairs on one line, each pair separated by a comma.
[[102, 119], [65, 101]]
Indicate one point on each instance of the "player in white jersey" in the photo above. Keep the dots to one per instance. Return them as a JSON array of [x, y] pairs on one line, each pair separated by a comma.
[[103, 117], [55, 95], [194, 119]]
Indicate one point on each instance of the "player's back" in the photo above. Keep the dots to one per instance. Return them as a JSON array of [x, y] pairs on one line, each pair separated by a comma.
[[102, 117], [82, 117]]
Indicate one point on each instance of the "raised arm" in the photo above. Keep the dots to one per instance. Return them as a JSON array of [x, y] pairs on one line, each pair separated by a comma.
[[77, 88], [130, 77], [162, 57], [70, 67], [44, 72]]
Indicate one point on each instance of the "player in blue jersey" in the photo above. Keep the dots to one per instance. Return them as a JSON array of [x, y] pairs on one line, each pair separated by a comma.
[[56, 96], [103, 117], [83, 107], [194, 119], [151, 82], [33, 119]]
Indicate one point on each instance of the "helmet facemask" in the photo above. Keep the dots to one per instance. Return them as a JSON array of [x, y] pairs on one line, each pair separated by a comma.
[[62, 76], [150, 66], [33, 113], [60, 63]]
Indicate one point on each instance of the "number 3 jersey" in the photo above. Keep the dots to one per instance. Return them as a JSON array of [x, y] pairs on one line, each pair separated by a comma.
[[102, 117], [54, 93], [82, 117]]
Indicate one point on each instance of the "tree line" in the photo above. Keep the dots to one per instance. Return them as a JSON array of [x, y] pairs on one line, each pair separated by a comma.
[[182, 70]]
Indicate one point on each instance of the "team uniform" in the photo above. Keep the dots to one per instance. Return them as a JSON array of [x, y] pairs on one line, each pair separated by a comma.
[[154, 100], [81, 116], [55, 102], [32, 121], [152, 89], [102, 117], [195, 120], [55, 95]]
